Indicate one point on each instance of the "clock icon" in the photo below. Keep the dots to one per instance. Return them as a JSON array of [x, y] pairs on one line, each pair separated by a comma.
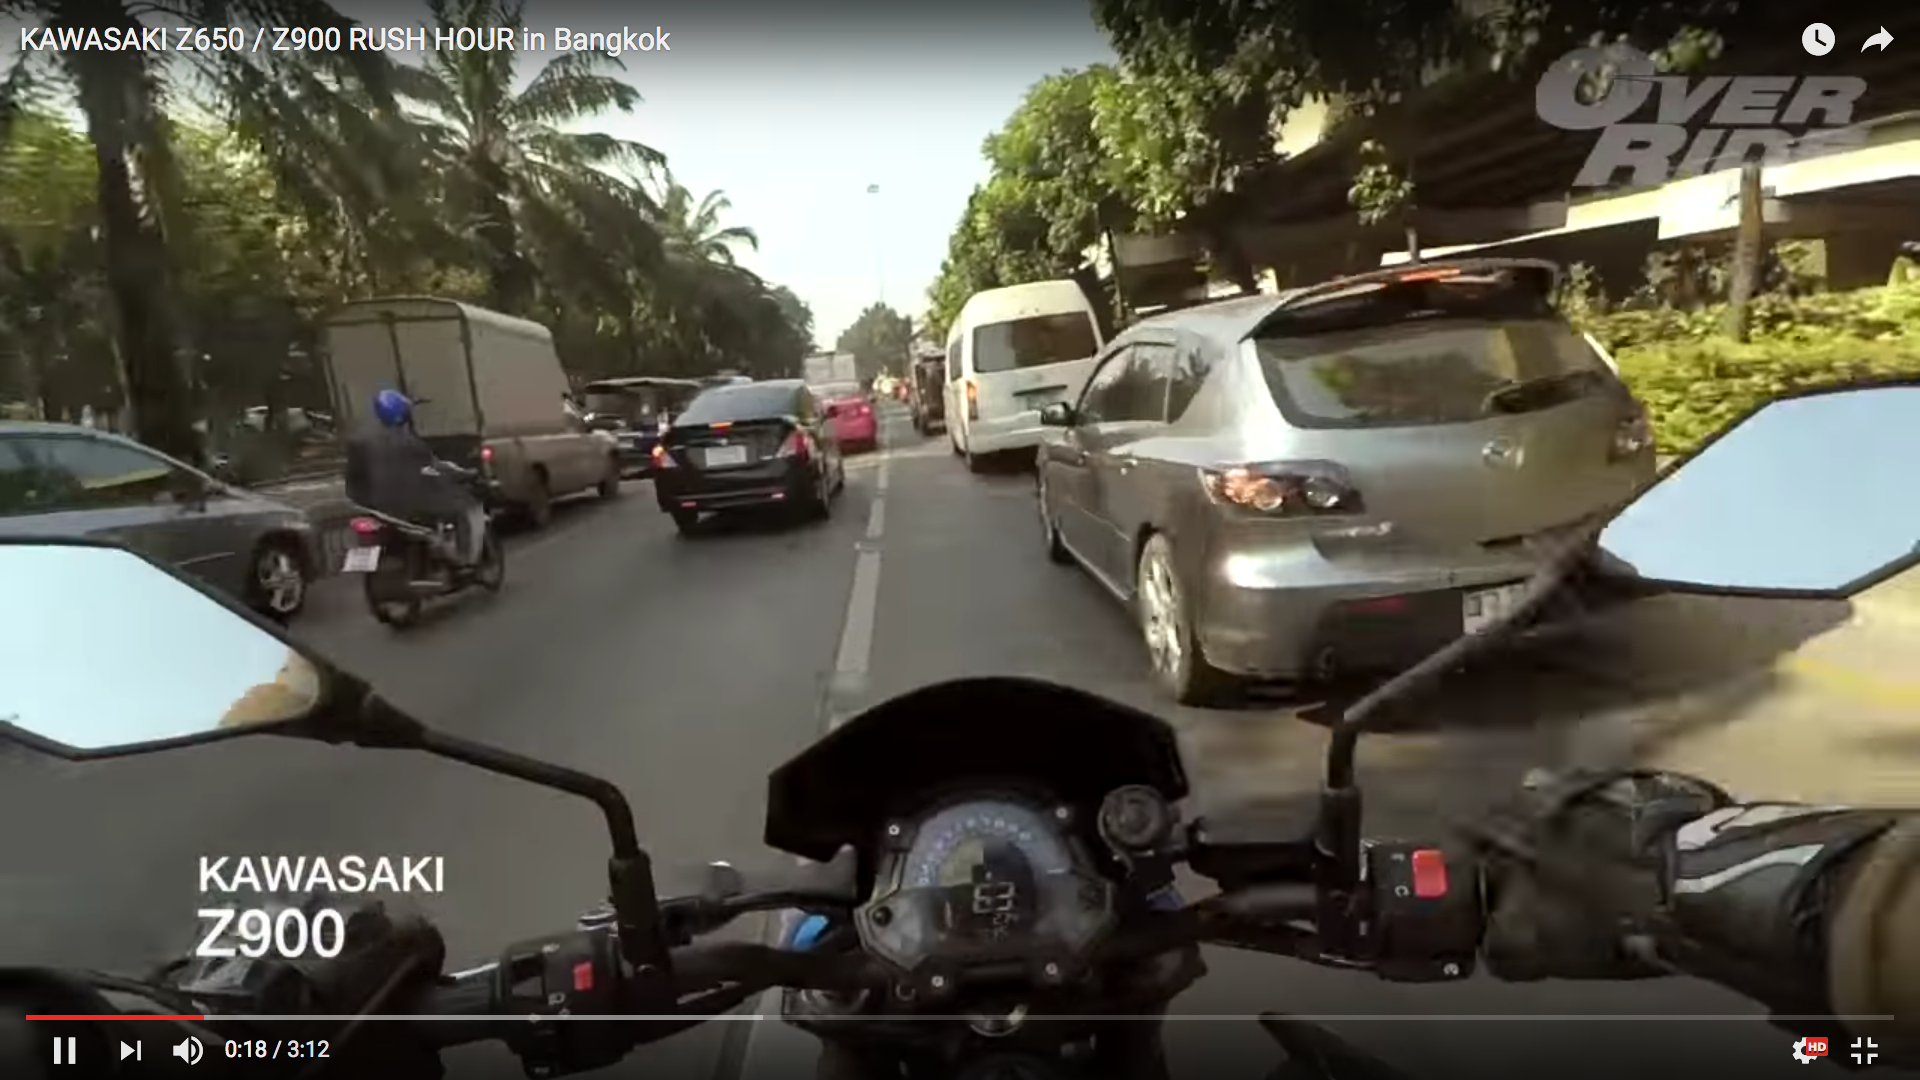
[[1817, 39]]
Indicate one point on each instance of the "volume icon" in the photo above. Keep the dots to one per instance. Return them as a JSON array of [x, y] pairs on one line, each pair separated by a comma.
[[188, 1050]]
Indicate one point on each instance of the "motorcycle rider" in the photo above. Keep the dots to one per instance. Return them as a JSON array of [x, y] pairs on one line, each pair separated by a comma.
[[392, 470], [1813, 911]]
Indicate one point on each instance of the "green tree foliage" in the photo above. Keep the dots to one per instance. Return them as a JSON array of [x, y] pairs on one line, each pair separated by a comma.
[[166, 259], [878, 339], [1052, 191], [1224, 76]]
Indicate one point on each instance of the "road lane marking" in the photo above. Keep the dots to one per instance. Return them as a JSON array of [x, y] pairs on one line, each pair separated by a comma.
[[856, 632], [877, 516]]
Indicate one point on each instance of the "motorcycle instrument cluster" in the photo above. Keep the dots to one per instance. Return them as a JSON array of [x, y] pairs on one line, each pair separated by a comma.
[[985, 887]]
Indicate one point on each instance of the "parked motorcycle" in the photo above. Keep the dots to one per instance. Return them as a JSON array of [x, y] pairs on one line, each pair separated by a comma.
[[404, 564], [987, 884]]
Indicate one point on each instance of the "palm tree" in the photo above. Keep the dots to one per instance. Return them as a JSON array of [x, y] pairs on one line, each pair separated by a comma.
[[511, 164], [123, 96], [693, 229]]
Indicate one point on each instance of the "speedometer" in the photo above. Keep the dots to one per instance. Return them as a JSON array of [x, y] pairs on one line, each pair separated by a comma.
[[980, 880], [960, 844]]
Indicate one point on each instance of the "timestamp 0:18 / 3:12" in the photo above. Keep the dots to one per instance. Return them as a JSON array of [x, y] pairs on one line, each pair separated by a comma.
[[273, 1049]]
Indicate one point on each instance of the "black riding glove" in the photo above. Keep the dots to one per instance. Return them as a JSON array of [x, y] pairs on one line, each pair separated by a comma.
[[1625, 875], [385, 961]]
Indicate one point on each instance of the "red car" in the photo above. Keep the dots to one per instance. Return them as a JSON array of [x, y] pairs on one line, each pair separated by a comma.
[[851, 412]]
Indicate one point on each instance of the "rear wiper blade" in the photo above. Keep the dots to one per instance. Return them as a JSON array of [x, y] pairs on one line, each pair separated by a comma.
[[1516, 391]]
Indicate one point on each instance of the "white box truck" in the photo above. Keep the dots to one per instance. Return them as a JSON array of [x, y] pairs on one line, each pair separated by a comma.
[[488, 392]]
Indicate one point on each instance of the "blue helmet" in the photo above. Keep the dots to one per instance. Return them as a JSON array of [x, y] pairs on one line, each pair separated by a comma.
[[393, 408]]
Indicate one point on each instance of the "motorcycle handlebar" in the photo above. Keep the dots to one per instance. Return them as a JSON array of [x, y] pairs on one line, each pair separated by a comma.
[[1416, 917], [735, 970]]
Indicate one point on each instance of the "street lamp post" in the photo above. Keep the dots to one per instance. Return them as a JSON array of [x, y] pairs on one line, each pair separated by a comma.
[[879, 247]]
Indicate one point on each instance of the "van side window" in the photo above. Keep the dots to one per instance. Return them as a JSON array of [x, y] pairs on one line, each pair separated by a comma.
[[1191, 363], [953, 359]]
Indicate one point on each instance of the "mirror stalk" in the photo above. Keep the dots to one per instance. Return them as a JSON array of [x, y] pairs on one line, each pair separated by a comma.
[[636, 906], [1337, 832]]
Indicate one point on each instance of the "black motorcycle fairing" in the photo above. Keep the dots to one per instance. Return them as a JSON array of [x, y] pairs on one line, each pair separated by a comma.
[[1075, 744]]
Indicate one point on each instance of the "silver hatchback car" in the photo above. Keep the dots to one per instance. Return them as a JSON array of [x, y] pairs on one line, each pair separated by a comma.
[[61, 480], [1338, 478]]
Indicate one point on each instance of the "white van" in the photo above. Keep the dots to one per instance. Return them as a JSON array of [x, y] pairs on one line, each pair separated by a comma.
[[1011, 352]]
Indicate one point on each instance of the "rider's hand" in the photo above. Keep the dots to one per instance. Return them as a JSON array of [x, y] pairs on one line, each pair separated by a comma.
[[386, 959], [1636, 874]]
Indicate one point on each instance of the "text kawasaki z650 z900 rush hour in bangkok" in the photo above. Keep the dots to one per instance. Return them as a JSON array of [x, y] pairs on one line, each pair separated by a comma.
[[992, 858]]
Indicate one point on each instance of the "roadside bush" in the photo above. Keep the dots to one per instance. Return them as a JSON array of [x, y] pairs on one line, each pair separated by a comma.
[[1693, 379]]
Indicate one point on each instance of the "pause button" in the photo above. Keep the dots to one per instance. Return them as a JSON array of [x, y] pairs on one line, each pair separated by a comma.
[[64, 1050]]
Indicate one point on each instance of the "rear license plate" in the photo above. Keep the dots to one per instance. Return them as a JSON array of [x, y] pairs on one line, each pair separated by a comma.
[[1479, 610], [362, 560], [1040, 399], [725, 455]]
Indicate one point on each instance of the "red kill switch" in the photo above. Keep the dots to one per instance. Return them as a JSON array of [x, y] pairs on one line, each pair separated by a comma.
[[583, 972], [1429, 873]]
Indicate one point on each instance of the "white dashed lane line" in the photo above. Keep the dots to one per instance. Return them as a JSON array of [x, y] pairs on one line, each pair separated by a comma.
[[849, 680]]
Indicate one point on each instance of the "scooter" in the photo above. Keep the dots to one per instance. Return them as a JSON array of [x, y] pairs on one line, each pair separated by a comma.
[[406, 563]]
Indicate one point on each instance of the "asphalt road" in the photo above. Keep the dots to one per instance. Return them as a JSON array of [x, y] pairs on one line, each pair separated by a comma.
[[685, 671]]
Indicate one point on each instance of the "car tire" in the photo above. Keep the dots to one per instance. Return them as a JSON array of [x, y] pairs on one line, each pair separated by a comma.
[[1057, 552], [820, 508], [687, 521], [1166, 627], [976, 463], [610, 486], [537, 511], [278, 580], [492, 571]]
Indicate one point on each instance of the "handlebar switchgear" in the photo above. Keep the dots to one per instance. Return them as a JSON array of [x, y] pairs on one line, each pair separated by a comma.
[[573, 973], [1426, 914]]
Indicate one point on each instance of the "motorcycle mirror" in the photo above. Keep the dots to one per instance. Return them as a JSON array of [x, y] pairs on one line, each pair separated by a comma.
[[1808, 496], [106, 654]]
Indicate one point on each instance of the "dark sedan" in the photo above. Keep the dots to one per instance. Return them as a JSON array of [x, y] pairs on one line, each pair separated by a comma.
[[748, 445]]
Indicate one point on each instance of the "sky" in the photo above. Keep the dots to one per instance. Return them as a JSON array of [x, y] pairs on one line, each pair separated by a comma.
[[794, 110]]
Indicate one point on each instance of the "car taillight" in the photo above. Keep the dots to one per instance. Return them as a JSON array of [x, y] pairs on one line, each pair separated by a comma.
[[1285, 488], [1633, 436], [662, 459], [365, 526], [797, 447], [973, 400]]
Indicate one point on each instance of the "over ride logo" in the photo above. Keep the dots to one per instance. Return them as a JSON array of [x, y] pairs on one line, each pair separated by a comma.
[[1607, 89]]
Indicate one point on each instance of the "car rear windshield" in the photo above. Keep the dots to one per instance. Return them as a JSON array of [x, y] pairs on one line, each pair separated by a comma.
[[728, 404], [637, 403], [838, 390], [1033, 342], [1426, 352]]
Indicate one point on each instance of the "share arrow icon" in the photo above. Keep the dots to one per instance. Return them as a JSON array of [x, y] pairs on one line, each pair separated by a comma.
[[1882, 39]]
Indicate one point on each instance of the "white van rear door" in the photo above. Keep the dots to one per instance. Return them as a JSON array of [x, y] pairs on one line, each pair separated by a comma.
[[1025, 364]]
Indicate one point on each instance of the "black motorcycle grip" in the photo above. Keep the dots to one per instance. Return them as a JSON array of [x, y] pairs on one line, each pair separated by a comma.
[[445, 1007]]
